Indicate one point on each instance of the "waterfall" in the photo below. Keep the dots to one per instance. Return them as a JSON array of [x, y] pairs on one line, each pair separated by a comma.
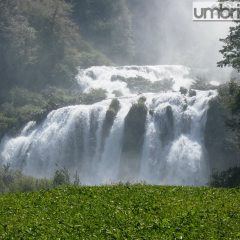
[[156, 136]]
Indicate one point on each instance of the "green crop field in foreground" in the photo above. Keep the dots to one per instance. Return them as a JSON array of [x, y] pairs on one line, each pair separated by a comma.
[[122, 212]]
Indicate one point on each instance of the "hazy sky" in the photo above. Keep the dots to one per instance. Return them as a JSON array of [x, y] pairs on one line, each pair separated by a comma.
[[183, 41]]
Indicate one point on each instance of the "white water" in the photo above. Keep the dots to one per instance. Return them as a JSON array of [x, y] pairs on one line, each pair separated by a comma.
[[100, 77], [173, 151]]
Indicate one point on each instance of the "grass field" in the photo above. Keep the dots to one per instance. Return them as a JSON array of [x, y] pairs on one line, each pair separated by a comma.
[[122, 212]]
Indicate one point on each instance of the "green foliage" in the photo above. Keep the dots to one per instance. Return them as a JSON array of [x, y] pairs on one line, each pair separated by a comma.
[[22, 96], [93, 58], [93, 96], [61, 177], [122, 212], [230, 50], [229, 178], [107, 25], [41, 45], [229, 96], [140, 84], [14, 181], [222, 131], [35, 41], [22, 105], [76, 180]]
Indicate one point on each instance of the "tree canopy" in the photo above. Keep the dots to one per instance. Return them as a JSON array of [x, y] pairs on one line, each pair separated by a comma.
[[231, 49]]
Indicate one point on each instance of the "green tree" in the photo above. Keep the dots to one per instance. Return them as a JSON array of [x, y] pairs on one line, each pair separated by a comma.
[[231, 49], [107, 24], [61, 177], [58, 39]]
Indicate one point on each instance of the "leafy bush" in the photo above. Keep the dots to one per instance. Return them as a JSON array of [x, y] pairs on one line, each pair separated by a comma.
[[93, 96], [61, 177], [140, 84], [229, 96], [22, 96], [14, 181], [22, 105]]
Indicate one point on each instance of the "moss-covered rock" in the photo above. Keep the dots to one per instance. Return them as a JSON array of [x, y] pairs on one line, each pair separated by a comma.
[[95, 95], [183, 91], [139, 84], [133, 139], [192, 93], [117, 93], [165, 124], [109, 119]]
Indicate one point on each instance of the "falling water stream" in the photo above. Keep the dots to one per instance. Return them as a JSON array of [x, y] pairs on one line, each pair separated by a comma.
[[172, 147]]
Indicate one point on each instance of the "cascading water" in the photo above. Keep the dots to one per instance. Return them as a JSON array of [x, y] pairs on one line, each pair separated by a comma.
[[155, 136]]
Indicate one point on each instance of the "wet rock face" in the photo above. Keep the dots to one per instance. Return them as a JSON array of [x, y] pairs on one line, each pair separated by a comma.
[[222, 153], [109, 120], [133, 140], [166, 126], [183, 91], [192, 93]]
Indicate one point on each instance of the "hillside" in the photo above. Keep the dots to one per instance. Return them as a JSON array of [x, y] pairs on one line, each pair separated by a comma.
[[121, 212]]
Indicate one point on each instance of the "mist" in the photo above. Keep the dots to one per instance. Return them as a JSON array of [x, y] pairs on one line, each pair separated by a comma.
[[116, 90], [168, 35]]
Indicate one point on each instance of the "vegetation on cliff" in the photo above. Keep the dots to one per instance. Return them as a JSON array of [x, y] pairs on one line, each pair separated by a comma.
[[23, 105]]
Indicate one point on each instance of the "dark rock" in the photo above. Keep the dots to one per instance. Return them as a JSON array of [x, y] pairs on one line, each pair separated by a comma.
[[109, 120], [183, 91], [192, 93], [133, 139]]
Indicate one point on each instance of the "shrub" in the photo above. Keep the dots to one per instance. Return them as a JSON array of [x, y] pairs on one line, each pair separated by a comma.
[[14, 181], [140, 84], [22, 105], [22, 96], [61, 177], [117, 93], [95, 95]]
